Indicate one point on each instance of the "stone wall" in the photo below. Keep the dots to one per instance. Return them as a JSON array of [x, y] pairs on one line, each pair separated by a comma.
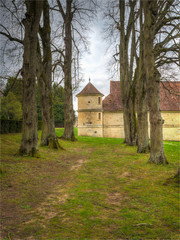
[[171, 128], [90, 116], [91, 131], [113, 125], [89, 102], [110, 124]]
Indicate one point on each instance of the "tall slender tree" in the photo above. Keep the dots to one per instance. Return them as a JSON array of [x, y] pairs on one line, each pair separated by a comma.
[[126, 81], [164, 43], [48, 136], [75, 16], [121, 17], [142, 116], [157, 154], [165, 49], [44, 65], [67, 16], [31, 23]]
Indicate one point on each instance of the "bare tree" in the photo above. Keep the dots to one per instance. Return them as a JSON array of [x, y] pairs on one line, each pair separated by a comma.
[[122, 15], [44, 65], [160, 41], [31, 23], [142, 116], [48, 136], [67, 16], [74, 15], [152, 77], [22, 33], [165, 48]]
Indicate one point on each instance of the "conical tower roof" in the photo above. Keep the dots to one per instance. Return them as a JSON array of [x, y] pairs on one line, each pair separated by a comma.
[[89, 90]]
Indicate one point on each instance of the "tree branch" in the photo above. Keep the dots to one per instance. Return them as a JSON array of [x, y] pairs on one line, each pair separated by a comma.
[[11, 38], [61, 9]]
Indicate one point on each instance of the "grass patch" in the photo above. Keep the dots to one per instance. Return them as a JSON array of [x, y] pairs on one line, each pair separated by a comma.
[[97, 188]]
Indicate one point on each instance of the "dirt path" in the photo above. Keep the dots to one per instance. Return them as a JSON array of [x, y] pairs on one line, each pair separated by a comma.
[[43, 184]]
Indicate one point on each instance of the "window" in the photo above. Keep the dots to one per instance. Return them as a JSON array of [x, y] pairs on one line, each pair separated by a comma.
[[99, 116], [99, 100]]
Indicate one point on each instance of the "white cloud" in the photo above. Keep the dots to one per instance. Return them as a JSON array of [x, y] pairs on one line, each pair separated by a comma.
[[94, 64]]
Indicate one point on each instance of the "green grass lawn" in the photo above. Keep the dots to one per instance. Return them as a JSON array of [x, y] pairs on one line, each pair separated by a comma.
[[97, 188]]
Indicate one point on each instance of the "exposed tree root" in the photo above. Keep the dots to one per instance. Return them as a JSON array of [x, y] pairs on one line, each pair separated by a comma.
[[32, 153], [54, 144]]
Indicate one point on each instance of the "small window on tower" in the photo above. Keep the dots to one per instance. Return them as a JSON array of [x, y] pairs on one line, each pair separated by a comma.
[[88, 101], [99, 100], [99, 116]]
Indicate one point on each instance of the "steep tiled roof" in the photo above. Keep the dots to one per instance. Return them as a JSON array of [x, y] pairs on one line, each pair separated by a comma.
[[113, 101], [169, 97], [89, 90], [115, 86]]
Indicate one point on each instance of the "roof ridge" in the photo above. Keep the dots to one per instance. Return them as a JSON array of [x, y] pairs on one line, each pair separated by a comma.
[[89, 89]]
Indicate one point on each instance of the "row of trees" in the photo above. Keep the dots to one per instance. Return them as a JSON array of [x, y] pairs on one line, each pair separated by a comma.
[[148, 39], [33, 20]]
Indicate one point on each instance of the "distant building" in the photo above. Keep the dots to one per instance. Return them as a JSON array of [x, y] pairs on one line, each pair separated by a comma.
[[104, 118]]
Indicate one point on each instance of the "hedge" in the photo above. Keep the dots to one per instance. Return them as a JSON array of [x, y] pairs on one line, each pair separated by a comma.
[[59, 124], [13, 126]]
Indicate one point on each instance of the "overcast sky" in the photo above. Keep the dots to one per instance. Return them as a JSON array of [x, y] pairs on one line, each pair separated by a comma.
[[95, 64]]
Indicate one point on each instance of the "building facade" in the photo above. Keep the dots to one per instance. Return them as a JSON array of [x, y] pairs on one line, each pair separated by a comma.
[[104, 118]]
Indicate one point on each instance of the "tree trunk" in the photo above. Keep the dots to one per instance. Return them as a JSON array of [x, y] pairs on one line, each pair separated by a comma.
[[127, 85], [45, 110], [157, 155], [29, 131], [48, 135], [142, 129], [68, 100], [130, 124], [142, 116]]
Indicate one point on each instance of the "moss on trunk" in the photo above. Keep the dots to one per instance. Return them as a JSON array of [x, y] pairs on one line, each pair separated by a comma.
[[29, 131], [142, 116], [68, 102], [48, 136], [53, 143], [157, 155]]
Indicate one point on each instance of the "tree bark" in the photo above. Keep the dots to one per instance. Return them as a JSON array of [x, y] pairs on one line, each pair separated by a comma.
[[127, 84], [68, 100], [129, 116], [142, 116], [157, 155], [29, 131], [48, 136]]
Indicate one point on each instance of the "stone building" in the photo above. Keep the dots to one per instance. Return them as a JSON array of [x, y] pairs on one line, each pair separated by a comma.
[[104, 118]]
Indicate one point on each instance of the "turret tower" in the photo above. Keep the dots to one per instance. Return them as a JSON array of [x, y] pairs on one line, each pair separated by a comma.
[[90, 113]]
